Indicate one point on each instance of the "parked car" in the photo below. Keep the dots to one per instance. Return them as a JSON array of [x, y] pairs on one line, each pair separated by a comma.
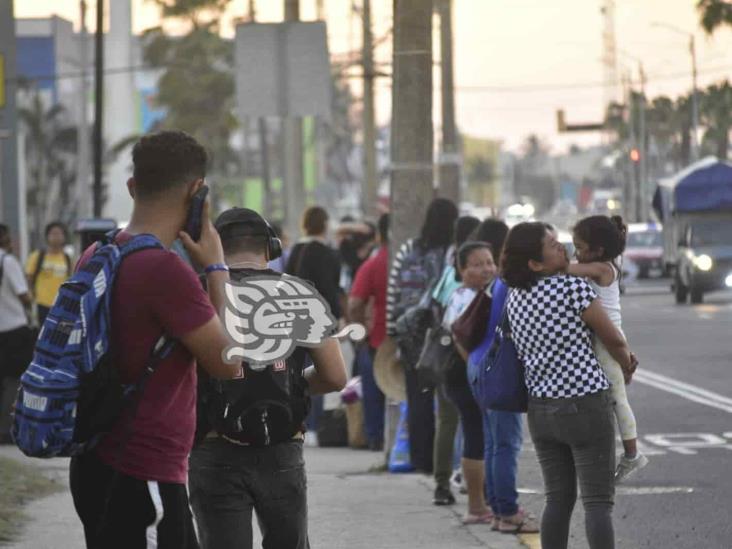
[[644, 247]]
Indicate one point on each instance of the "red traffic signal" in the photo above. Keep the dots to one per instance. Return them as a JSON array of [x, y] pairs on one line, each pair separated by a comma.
[[634, 155]]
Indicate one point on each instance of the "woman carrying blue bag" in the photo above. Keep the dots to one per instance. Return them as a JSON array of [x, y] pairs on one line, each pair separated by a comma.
[[570, 411]]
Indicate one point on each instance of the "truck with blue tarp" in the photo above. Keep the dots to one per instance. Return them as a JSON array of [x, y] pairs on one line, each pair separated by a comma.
[[695, 207]]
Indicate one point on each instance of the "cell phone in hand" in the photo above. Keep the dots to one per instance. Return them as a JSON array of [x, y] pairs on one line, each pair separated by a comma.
[[194, 221]]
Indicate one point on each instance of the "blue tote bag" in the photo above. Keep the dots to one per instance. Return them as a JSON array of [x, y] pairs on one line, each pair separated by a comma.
[[495, 372]]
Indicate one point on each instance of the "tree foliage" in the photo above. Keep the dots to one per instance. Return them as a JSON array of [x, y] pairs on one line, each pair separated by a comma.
[[714, 14], [196, 87]]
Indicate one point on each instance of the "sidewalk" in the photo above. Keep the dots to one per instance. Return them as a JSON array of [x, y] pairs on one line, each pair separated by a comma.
[[348, 508]]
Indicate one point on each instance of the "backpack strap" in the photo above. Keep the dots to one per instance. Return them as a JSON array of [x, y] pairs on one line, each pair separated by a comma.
[[2, 270], [68, 264], [39, 265]]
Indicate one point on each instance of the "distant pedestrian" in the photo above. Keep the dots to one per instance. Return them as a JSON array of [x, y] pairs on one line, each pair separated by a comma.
[[369, 287], [599, 243], [475, 269], [314, 260], [48, 268], [446, 424], [553, 317], [16, 344], [417, 266]]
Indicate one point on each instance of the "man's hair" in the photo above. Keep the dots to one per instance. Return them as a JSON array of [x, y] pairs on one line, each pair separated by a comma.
[[383, 224], [242, 238], [314, 221], [57, 225], [165, 160]]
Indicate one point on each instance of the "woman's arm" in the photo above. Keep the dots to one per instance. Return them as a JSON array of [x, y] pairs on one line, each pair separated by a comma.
[[599, 272]]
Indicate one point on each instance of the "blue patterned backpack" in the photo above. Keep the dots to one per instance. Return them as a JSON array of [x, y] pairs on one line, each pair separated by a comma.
[[71, 393]]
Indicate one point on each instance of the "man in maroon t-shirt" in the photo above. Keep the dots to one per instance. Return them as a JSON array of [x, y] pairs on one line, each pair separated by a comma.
[[131, 490], [370, 284]]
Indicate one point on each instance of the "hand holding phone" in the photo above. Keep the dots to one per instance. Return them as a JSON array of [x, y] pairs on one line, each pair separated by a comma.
[[200, 238], [194, 221]]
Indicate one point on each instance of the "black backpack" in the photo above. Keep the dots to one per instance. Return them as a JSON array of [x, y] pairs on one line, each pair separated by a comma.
[[266, 406]]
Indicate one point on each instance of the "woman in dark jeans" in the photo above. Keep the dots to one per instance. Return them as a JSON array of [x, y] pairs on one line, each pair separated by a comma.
[[553, 317]]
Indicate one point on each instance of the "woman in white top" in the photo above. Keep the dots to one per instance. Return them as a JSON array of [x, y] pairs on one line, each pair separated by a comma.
[[598, 241]]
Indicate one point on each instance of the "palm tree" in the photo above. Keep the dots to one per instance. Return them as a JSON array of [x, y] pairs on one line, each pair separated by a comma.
[[716, 110], [714, 14], [50, 144]]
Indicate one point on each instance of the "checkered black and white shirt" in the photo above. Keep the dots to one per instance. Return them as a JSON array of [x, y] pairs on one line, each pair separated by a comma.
[[553, 341]]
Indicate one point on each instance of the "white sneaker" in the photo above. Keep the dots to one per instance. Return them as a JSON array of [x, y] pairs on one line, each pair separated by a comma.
[[458, 482], [627, 466]]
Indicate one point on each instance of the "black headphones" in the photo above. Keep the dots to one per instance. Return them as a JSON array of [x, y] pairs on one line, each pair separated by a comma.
[[274, 244]]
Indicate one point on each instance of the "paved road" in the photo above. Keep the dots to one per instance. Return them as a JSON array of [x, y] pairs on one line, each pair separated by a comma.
[[682, 398]]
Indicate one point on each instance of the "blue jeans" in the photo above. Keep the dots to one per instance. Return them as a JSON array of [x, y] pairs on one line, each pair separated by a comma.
[[502, 432], [373, 398]]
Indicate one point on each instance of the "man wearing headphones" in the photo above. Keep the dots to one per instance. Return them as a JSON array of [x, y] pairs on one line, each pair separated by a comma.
[[234, 469]]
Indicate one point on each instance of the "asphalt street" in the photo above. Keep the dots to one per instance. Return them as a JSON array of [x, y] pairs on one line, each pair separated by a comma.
[[682, 398]]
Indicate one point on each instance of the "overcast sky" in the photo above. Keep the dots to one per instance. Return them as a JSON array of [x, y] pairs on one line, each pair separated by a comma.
[[516, 61]]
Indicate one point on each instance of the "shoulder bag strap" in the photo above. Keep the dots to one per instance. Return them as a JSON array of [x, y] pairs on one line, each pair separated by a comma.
[[39, 265]]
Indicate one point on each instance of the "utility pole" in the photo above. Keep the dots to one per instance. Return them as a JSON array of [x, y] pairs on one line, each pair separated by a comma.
[[268, 204], [294, 192], [449, 174], [82, 166], [370, 177], [98, 108], [694, 102], [642, 215], [10, 189], [411, 139]]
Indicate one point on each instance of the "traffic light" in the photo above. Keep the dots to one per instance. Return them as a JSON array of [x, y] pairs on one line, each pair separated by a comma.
[[634, 155]]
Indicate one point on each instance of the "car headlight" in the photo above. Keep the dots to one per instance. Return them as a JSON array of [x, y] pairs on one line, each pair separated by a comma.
[[703, 262]]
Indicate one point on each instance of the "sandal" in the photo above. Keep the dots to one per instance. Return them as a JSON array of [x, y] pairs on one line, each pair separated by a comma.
[[486, 518], [520, 523]]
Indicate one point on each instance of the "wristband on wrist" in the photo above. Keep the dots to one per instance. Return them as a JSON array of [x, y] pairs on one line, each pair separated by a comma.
[[216, 267]]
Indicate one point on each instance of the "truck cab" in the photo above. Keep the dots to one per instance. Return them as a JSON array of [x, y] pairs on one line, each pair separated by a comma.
[[704, 258]]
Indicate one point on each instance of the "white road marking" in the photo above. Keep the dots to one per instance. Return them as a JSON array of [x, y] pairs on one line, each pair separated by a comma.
[[630, 490], [686, 390]]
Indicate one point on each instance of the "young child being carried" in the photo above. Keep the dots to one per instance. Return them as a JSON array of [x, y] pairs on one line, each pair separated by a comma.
[[599, 241]]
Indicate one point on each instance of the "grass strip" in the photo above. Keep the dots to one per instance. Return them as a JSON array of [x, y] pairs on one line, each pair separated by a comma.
[[19, 484]]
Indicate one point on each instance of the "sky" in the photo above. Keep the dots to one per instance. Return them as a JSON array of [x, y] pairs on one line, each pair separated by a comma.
[[516, 61]]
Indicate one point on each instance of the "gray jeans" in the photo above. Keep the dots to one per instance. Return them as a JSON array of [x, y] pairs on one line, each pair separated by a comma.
[[574, 439]]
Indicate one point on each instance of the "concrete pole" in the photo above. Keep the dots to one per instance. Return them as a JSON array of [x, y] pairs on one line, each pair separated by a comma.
[[412, 131], [370, 177], [449, 174], [642, 214], [294, 192]]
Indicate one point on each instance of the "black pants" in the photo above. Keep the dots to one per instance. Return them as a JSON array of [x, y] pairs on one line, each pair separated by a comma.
[[421, 420], [121, 512], [229, 481], [471, 418], [574, 439], [42, 311]]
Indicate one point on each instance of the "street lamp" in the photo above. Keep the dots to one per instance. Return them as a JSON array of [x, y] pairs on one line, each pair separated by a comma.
[[695, 92]]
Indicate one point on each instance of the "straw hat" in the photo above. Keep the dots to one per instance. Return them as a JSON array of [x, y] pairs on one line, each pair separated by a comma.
[[389, 372]]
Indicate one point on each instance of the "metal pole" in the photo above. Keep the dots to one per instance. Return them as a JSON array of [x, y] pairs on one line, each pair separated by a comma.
[[370, 182], [694, 102], [82, 166], [293, 191], [449, 182], [643, 165], [98, 108]]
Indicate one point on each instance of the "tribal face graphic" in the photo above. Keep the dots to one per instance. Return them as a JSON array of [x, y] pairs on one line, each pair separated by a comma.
[[269, 316]]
